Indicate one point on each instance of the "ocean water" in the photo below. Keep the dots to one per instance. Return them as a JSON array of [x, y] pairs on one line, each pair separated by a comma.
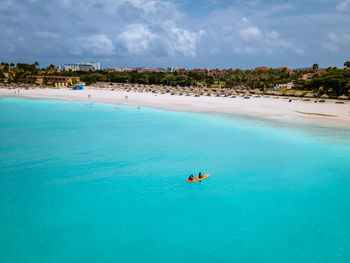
[[96, 183]]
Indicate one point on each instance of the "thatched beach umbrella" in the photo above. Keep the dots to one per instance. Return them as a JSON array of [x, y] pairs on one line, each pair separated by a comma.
[[309, 95], [325, 96], [343, 97]]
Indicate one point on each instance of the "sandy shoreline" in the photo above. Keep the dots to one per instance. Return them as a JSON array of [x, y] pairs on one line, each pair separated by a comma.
[[327, 114]]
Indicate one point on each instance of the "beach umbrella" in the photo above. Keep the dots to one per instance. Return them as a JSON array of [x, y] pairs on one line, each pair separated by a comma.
[[343, 97], [325, 96], [309, 95]]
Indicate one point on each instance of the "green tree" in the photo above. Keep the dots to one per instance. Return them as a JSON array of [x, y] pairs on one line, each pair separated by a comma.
[[315, 66], [347, 64]]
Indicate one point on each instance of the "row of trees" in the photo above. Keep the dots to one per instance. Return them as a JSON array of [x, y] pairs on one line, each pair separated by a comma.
[[331, 81], [18, 73], [144, 78], [172, 79], [260, 78]]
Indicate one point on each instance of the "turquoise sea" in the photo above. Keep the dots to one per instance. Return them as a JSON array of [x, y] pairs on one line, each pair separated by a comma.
[[96, 183]]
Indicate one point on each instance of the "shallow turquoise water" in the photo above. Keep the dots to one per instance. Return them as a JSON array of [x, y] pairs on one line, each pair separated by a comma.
[[100, 184]]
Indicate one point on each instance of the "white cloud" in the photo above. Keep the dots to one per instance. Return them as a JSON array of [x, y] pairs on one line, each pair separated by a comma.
[[137, 38], [247, 31], [344, 6], [142, 39], [334, 42], [98, 45], [183, 41], [248, 38], [273, 34], [251, 33]]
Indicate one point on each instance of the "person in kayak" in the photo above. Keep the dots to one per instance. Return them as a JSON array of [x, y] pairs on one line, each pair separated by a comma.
[[191, 177], [200, 176]]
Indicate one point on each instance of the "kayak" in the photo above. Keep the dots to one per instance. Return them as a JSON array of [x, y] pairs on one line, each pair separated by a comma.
[[196, 179]]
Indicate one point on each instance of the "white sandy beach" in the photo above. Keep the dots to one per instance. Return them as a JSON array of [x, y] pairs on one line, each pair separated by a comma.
[[328, 114]]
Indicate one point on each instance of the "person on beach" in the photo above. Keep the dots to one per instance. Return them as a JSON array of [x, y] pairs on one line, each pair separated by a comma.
[[191, 177], [89, 96]]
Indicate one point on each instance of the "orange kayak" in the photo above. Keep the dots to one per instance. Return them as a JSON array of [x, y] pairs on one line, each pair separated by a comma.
[[196, 179]]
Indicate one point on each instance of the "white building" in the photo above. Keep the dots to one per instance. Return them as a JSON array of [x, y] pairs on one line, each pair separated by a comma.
[[289, 85], [122, 69], [58, 68], [83, 66], [95, 65], [73, 67]]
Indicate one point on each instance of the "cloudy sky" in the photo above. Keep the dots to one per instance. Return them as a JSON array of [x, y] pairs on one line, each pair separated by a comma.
[[181, 33]]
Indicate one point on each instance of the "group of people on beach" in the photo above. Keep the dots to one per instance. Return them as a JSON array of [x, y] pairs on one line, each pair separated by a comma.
[[191, 177]]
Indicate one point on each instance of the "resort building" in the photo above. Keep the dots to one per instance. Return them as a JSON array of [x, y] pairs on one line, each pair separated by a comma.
[[289, 85], [95, 65], [58, 68], [72, 67], [87, 66], [58, 81], [308, 76], [121, 69]]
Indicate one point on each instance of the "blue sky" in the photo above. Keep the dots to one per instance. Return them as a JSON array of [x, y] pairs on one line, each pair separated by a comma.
[[180, 33]]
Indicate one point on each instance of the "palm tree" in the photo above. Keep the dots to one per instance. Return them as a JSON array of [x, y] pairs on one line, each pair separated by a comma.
[[315, 66], [347, 64]]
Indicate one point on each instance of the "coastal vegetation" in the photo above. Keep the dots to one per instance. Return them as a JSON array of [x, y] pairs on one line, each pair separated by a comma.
[[331, 82], [160, 78], [260, 78]]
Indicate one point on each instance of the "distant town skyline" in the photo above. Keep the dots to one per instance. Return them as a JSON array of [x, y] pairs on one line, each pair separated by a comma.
[[177, 33]]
